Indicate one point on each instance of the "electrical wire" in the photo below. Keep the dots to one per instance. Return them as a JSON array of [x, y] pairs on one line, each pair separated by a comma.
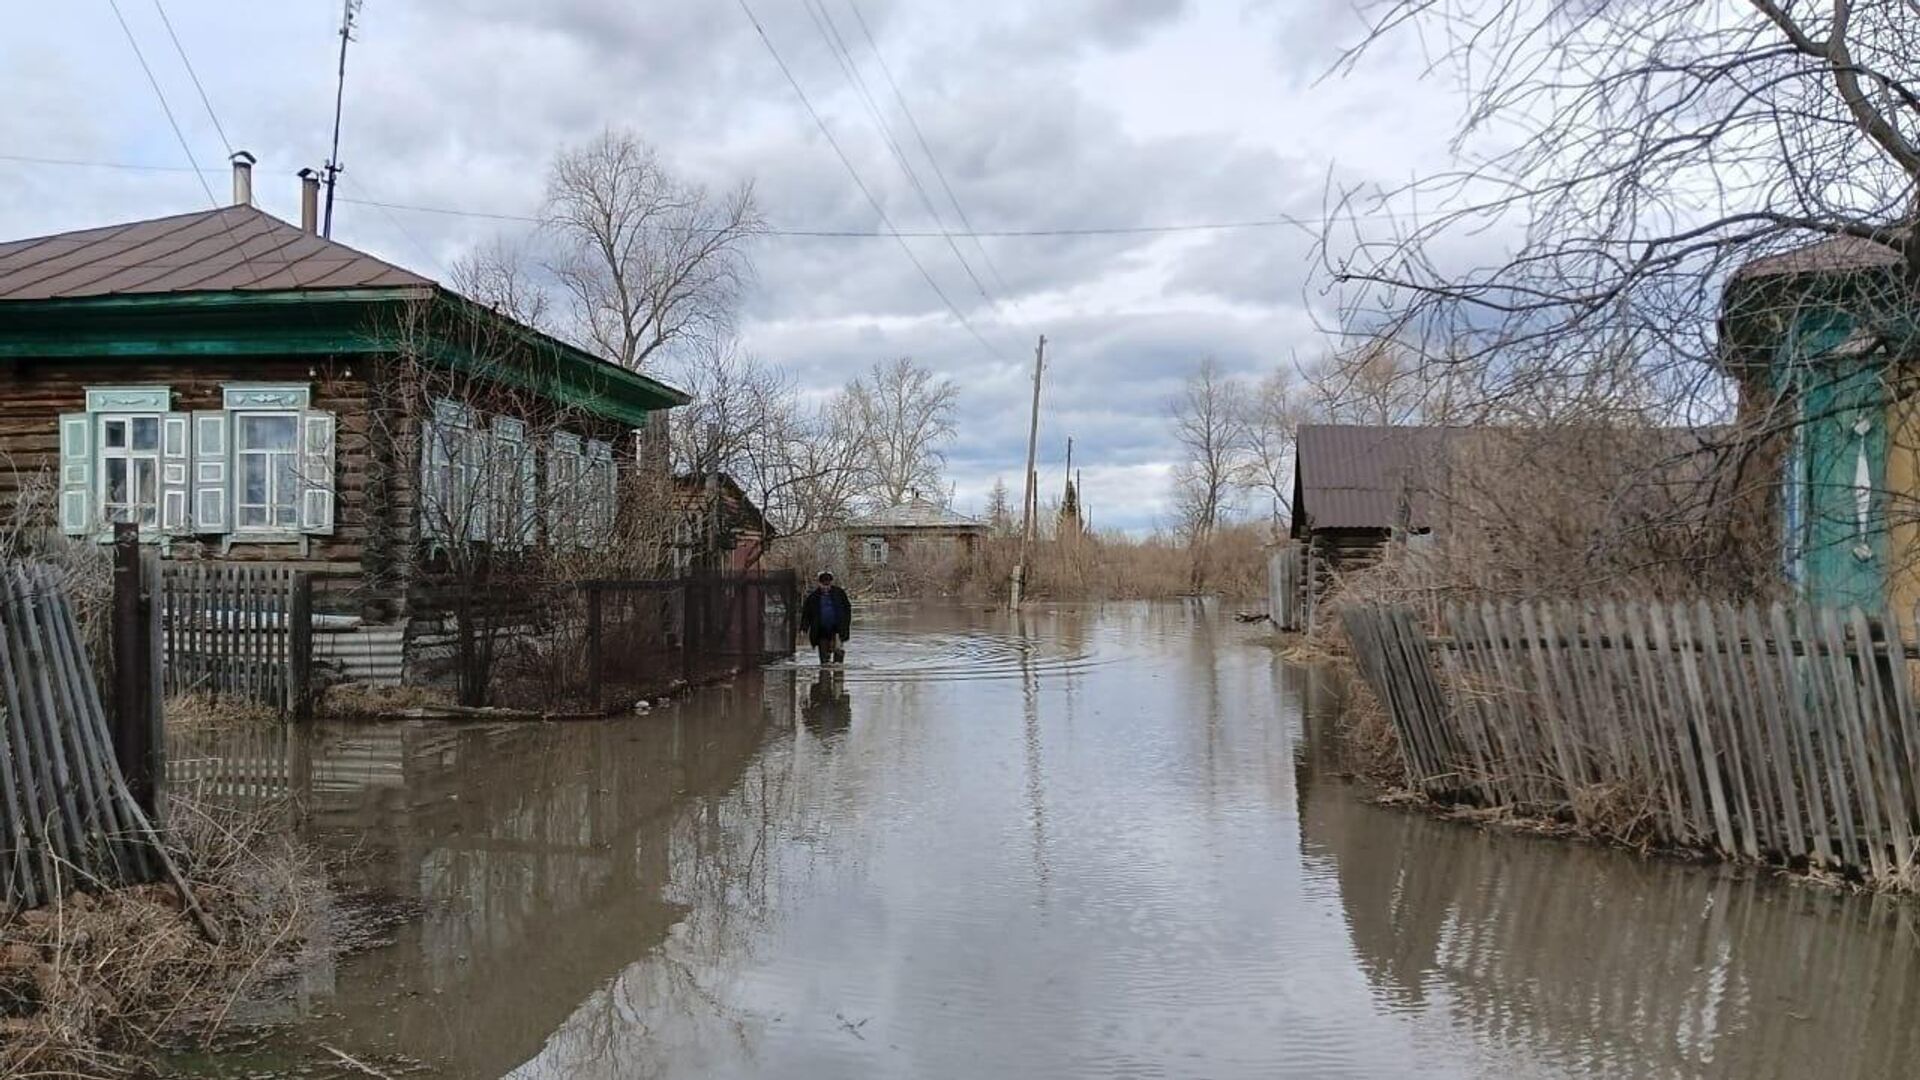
[[195, 76], [861, 184], [920, 136], [1309, 225], [164, 107]]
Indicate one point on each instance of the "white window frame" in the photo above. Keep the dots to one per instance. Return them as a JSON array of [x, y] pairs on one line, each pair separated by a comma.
[[238, 423], [239, 401], [874, 550], [149, 514]]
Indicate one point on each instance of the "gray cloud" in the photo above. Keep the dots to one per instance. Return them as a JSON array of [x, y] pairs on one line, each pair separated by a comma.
[[1078, 114]]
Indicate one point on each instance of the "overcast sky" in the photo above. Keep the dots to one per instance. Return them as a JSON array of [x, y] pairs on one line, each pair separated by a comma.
[[1063, 115]]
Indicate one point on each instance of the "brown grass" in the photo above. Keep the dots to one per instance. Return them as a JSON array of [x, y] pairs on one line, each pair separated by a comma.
[[199, 711], [371, 701], [94, 985]]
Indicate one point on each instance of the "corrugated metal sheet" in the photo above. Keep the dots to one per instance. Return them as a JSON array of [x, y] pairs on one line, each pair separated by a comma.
[[918, 514], [1354, 476], [232, 248]]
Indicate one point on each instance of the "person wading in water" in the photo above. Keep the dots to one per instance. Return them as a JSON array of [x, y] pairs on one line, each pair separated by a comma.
[[827, 617]]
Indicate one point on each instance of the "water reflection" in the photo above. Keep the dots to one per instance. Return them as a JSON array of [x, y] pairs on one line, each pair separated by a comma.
[[1584, 961], [1105, 842]]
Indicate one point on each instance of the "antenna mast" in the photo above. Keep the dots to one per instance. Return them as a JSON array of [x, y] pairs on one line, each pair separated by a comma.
[[349, 8]]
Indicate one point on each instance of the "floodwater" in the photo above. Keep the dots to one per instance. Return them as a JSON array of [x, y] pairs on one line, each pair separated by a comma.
[[1107, 842]]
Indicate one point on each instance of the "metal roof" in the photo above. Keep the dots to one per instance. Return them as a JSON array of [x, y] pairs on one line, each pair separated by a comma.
[[1353, 476], [917, 514], [1835, 253], [234, 248]]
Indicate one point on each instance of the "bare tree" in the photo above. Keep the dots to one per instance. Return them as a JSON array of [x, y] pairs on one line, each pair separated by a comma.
[[1667, 144], [1000, 509], [648, 259], [904, 416], [1213, 439], [499, 275], [1271, 416]]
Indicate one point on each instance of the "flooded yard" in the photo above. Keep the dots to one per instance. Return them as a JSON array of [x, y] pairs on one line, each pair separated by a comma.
[[1101, 842]]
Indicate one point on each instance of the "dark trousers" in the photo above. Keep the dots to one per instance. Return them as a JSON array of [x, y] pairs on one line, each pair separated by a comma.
[[832, 648]]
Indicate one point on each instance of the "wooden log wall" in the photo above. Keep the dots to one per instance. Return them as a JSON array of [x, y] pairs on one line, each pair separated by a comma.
[[1773, 734]]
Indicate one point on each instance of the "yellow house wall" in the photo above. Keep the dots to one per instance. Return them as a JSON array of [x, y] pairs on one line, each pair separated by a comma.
[[1903, 507]]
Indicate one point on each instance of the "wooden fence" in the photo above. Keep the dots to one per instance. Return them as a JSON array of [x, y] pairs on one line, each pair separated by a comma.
[[233, 630], [67, 819], [1780, 734]]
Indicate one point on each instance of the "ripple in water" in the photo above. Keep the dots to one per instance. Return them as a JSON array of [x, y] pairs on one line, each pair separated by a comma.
[[885, 655]]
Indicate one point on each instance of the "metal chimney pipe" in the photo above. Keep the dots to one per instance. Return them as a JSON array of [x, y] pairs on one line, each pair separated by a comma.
[[310, 201], [243, 178]]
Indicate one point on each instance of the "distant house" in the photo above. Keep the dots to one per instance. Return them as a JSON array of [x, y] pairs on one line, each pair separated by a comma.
[[919, 533], [245, 390], [1821, 339], [717, 527]]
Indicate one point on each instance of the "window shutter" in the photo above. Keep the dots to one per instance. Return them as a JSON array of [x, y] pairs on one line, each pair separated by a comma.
[[529, 494], [599, 492], [316, 473], [76, 474], [211, 487], [176, 466]]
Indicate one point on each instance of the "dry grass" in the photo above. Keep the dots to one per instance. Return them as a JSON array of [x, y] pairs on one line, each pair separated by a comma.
[[205, 712], [370, 701], [95, 985]]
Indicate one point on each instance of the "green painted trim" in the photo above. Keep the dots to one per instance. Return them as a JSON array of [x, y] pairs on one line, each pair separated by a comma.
[[316, 322]]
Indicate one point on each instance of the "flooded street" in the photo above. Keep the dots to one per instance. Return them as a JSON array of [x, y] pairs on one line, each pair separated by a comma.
[[1093, 843]]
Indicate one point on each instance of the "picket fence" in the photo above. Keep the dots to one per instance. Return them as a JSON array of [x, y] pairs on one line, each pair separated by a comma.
[[1776, 733]]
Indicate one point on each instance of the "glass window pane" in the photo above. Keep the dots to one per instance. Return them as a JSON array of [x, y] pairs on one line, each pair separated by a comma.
[[253, 517], [267, 432], [116, 480], [115, 433], [286, 480], [146, 480], [146, 433], [253, 480]]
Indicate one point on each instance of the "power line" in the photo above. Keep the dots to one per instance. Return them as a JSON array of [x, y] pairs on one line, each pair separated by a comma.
[[926, 148], [164, 107], [195, 76], [1304, 224], [859, 183], [1287, 221], [830, 33]]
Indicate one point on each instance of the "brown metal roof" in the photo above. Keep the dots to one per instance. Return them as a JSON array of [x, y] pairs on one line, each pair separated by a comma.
[[1835, 253], [1354, 477], [232, 248]]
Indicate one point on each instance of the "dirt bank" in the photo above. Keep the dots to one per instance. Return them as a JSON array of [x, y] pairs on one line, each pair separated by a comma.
[[95, 984]]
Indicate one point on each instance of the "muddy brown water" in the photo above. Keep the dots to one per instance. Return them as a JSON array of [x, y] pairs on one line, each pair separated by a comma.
[[1102, 842]]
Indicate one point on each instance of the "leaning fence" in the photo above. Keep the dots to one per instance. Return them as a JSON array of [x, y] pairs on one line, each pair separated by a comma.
[[1771, 733], [67, 817]]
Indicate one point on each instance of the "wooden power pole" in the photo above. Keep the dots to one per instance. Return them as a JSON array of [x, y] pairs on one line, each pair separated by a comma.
[[1030, 504]]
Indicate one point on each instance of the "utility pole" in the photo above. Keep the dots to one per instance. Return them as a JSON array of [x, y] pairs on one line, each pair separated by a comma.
[[1033, 445], [348, 10]]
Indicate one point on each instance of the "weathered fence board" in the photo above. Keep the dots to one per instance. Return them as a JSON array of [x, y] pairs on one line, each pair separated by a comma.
[[233, 630], [1775, 734], [69, 819]]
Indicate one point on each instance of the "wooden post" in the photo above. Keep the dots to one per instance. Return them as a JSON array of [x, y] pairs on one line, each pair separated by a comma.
[[686, 629], [300, 647], [132, 670], [594, 670], [1027, 506]]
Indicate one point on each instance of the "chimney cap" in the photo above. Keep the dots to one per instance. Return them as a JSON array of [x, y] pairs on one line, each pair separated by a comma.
[[309, 174], [242, 157]]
